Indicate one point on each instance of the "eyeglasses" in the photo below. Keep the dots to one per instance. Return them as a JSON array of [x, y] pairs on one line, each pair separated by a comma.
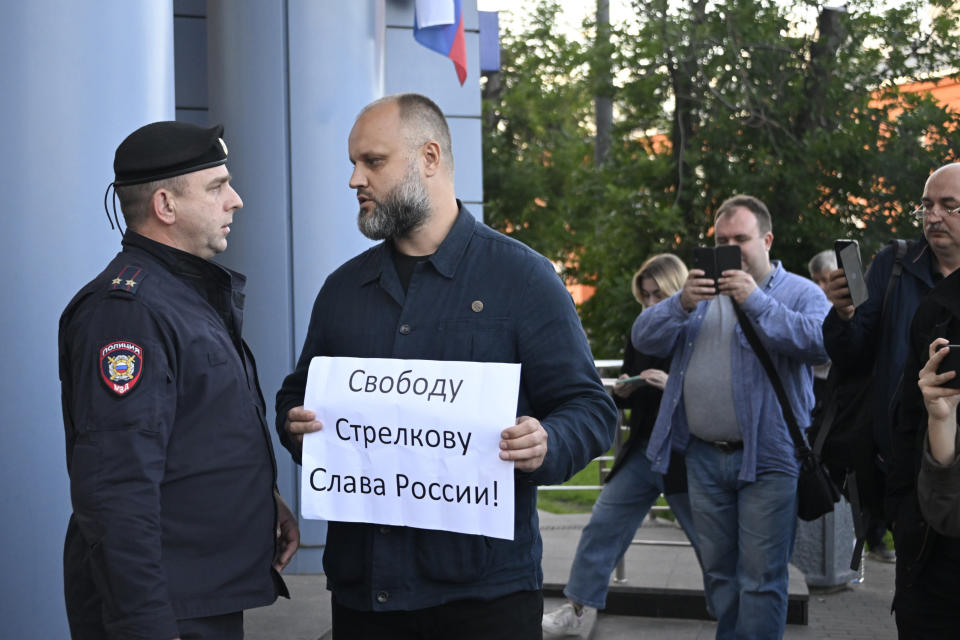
[[924, 210]]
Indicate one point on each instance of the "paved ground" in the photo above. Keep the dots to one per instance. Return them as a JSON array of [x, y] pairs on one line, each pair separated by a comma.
[[861, 611]]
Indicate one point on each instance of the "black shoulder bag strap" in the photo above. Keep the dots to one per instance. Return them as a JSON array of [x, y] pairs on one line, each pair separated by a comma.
[[831, 409], [751, 334], [860, 520]]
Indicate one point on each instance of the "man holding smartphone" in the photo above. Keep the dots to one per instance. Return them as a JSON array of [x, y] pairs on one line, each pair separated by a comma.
[[859, 342], [855, 337], [927, 526], [721, 408]]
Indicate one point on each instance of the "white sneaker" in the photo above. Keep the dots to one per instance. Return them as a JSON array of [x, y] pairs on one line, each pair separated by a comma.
[[565, 623]]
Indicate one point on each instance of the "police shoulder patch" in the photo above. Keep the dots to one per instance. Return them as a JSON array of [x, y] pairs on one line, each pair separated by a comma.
[[121, 363]]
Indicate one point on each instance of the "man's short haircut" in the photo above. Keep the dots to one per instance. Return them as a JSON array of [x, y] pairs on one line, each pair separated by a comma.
[[422, 120], [135, 199], [826, 259], [756, 207]]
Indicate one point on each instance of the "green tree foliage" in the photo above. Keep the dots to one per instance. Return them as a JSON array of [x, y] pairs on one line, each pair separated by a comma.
[[789, 101]]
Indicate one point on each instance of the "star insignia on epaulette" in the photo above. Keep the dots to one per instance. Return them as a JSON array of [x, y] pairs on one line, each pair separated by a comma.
[[127, 280]]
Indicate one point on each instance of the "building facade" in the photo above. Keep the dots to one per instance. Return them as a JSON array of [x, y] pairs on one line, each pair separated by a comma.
[[286, 78]]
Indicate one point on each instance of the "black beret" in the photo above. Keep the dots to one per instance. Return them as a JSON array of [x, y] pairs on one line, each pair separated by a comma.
[[166, 149]]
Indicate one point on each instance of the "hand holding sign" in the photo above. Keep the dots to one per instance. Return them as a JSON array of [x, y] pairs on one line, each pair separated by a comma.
[[414, 442], [300, 421], [525, 444]]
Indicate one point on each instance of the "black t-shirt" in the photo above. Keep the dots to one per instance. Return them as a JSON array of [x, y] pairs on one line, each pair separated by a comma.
[[405, 265]]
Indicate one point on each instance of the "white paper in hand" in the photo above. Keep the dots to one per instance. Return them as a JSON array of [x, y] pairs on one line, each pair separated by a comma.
[[410, 442]]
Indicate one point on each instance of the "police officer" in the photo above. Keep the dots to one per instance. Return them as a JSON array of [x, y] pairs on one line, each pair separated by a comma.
[[177, 526]]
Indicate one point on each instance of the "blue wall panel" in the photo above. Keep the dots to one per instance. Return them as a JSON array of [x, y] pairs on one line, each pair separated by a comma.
[[77, 77], [190, 61], [332, 76], [413, 67], [247, 50], [466, 137], [287, 80]]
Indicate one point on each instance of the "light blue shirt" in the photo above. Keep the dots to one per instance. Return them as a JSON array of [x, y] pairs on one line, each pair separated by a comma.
[[788, 313]]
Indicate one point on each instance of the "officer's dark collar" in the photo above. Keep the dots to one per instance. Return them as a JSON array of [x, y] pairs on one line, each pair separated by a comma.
[[181, 262]]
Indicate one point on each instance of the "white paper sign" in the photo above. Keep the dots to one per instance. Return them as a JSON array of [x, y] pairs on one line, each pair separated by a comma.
[[410, 442]]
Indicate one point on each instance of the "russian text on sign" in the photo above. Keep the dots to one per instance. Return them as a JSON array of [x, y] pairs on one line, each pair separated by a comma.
[[361, 382], [428, 430]]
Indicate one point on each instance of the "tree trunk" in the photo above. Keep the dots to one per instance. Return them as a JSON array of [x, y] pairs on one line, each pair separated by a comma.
[[603, 84], [492, 93], [822, 54], [684, 74]]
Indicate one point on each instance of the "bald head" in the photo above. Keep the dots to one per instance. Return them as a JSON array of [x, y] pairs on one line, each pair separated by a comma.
[[941, 223], [951, 170], [421, 121], [943, 184]]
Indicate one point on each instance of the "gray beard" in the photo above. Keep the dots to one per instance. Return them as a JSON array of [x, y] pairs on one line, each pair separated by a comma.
[[401, 212]]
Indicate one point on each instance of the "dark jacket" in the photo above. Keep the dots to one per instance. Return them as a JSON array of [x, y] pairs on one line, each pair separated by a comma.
[[922, 553], [644, 403], [481, 297], [170, 460], [853, 345]]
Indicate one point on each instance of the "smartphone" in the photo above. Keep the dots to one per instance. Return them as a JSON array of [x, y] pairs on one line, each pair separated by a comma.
[[848, 258], [728, 257], [704, 258], [951, 363], [635, 379], [840, 245], [715, 260]]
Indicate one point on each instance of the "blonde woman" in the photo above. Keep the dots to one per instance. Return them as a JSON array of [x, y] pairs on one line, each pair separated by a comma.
[[632, 486]]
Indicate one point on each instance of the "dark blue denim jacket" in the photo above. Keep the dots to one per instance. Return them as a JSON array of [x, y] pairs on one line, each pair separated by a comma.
[[527, 317]]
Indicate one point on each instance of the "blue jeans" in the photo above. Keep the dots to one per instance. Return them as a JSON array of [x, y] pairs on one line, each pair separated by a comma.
[[624, 502], [746, 538]]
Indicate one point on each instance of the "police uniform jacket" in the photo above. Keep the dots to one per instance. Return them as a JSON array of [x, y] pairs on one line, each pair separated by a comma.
[[170, 460]]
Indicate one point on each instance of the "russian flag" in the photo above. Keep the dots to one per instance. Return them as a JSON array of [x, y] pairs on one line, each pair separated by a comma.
[[438, 25]]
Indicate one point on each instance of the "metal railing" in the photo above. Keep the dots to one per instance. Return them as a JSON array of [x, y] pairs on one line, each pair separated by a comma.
[[623, 430]]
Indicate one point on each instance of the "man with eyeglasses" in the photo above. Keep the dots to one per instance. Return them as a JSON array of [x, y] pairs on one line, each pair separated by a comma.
[[926, 597], [854, 338]]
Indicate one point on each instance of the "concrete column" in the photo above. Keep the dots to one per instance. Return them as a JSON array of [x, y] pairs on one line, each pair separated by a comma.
[[823, 548], [77, 78], [286, 80]]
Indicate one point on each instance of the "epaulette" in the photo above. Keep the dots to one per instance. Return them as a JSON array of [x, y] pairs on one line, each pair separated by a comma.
[[128, 280]]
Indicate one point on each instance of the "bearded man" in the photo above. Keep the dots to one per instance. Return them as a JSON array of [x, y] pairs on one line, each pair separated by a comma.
[[443, 286]]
